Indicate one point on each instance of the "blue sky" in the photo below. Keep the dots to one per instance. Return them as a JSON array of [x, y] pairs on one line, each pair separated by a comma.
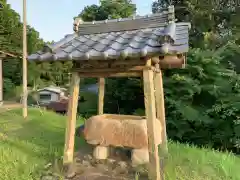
[[54, 18]]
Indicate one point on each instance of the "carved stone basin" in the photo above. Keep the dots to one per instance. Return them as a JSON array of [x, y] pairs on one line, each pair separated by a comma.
[[119, 131]]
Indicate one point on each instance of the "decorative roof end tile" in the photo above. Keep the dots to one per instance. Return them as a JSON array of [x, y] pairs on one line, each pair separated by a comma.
[[170, 32], [171, 9], [47, 48], [76, 23], [171, 14]]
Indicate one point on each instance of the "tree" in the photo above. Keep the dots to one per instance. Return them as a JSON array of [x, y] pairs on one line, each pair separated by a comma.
[[9, 26], [201, 110], [118, 9], [108, 9]]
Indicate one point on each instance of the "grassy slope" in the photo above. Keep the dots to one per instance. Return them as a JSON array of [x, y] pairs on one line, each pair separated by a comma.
[[26, 146]]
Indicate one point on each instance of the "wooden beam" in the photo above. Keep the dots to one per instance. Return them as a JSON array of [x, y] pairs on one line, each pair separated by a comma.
[[154, 164], [101, 89], [113, 69], [108, 74], [71, 120], [111, 63], [8, 54], [160, 108], [172, 61], [1, 81]]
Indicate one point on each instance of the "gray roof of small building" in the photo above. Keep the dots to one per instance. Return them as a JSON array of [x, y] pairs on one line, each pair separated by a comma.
[[140, 36], [53, 89], [90, 88]]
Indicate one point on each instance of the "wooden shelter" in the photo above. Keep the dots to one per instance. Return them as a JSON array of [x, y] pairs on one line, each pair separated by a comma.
[[132, 47], [3, 55]]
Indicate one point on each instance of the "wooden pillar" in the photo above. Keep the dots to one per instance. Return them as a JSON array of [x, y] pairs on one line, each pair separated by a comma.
[[101, 89], [149, 98], [160, 108], [1, 81], [71, 120], [25, 90]]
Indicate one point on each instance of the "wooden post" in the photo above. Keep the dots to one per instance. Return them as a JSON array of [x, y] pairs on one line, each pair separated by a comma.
[[25, 91], [1, 82], [101, 89], [71, 120], [160, 108], [149, 98]]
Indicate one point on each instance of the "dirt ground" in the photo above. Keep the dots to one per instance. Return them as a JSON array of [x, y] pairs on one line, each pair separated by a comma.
[[117, 167], [6, 106]]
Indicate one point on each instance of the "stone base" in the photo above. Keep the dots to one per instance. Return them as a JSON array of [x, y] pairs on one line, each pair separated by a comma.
[[101, 152], [140, 157]]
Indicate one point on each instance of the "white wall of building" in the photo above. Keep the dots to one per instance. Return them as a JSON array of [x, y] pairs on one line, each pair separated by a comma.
[[53, 96]]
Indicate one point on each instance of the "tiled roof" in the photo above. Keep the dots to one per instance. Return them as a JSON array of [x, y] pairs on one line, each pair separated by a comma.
[[53, 89], [122, 38]]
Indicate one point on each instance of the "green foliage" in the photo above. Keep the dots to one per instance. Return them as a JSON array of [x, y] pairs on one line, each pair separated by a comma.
[[118, 9], [10, 39], [202, 106], [108, 9], [7, 86], [139, 112], [123, 95]]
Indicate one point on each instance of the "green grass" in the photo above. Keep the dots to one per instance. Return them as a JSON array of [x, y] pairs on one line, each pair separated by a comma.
[[90, 105], [187, 163], [27, 146]]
